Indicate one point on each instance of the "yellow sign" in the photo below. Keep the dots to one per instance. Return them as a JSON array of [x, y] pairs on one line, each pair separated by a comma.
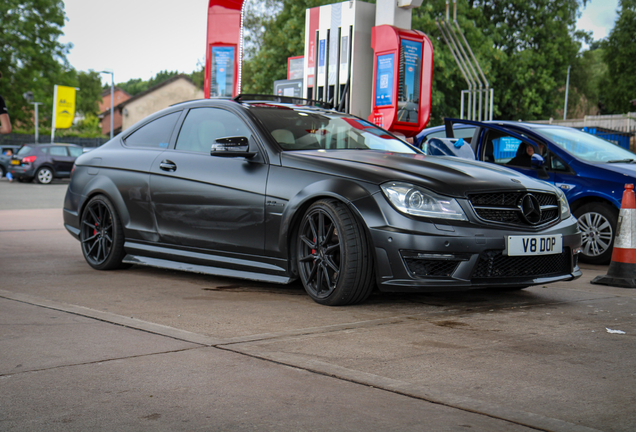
[[64, 109]]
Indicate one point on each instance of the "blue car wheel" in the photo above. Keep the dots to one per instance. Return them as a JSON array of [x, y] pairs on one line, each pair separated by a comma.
[[597, 223]]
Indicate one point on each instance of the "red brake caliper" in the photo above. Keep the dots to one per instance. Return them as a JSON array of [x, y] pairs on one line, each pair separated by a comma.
[[313, 251]]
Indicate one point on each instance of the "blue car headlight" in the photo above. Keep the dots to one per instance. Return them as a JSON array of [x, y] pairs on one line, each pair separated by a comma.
[[416, 201], [563, 204]]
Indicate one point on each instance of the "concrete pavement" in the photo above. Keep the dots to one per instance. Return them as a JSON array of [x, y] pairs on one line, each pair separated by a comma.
[[148, 349]]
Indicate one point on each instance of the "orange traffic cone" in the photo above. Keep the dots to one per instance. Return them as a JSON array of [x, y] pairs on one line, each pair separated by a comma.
[[622, 268]]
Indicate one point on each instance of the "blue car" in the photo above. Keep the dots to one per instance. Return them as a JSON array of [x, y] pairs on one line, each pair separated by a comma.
[[590, 171]]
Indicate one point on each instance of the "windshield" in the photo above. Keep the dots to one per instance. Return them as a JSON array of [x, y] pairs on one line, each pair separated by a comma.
[[586, 146], [308, 129]]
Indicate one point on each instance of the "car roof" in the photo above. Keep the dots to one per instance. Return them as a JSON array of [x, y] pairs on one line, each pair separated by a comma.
[[528, 125], [263, 101], [52, 144], [504, 123]]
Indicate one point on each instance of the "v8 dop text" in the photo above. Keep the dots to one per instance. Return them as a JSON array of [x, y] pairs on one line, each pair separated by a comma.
[[539, 245]]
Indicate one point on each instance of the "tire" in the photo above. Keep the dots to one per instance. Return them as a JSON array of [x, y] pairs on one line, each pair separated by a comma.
[[333, 257], [101, 235], [597, 222], [2, 173], [44, 175]]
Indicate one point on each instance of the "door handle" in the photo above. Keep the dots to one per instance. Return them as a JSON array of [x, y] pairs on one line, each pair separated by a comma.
[[168, 166]]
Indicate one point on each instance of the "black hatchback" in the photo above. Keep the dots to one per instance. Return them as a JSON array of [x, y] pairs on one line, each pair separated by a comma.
[[44, 162]]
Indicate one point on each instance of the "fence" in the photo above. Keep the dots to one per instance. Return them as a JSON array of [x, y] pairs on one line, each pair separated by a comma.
[[622, 139], [20, 139]]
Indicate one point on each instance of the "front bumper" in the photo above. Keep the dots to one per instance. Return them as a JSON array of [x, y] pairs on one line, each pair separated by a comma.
[[427, 256]]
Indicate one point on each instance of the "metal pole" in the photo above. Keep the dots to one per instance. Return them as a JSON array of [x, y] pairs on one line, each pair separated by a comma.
[[112, 99], [466, 64], [463, 68], [54, 113], [567, 87], [37, 135], [112, 102], [470, 69]]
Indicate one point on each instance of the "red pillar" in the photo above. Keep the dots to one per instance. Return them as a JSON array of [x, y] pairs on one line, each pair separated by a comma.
[[223, 44]]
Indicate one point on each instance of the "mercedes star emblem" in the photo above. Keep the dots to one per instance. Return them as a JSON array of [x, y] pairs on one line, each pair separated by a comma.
[[530, 209]]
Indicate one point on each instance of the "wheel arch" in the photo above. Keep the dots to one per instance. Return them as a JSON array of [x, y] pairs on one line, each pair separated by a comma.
[[344, 191], [45, 165], [590, 199], [102, 185]]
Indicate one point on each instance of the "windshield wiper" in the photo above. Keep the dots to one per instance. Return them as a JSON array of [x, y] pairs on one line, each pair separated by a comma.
[[621, 161]]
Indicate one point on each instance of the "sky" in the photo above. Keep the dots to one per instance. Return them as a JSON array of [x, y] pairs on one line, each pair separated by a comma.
[[148, 36]]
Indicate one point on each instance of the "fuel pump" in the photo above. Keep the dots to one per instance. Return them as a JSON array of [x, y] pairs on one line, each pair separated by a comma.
[[402, 79]]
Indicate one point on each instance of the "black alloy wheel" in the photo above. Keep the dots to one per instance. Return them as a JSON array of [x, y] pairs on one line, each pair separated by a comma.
[[101, 235], [333, 256]]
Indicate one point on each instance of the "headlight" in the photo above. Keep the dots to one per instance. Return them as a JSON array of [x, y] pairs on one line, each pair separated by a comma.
[[563, 204], [417, 201]]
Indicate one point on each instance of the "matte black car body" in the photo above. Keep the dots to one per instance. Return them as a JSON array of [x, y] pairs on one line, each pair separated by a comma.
[[44, 162], [257, 212]]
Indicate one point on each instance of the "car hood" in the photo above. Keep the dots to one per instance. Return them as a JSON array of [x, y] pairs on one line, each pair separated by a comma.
[[444, 174], [626, 169]]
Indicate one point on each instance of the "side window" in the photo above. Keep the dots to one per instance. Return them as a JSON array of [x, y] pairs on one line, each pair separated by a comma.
[[155, 134], [463, 132], [203, 126], [507, 150], [558, 165], [75, 151], [58, 151], [504, 149]]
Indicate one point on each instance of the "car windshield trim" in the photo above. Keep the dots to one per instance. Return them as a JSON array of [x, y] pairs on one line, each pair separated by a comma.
[[297, 129]]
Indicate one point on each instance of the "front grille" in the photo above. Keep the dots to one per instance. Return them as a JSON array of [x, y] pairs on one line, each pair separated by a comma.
[[505, 207], [493, 264], [428, 267]]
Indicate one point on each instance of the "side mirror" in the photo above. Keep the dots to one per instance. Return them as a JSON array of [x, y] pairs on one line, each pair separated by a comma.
[[537, 161], [232, 147]]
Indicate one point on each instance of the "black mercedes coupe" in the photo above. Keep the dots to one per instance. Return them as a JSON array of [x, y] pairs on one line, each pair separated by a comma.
[[274, 189]]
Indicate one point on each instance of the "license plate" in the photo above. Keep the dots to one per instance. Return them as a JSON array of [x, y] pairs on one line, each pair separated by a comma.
[[15, 162], [534, 245]]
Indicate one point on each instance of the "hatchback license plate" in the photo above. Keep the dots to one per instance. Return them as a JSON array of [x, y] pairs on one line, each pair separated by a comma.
[[15, 162], [534, 245]]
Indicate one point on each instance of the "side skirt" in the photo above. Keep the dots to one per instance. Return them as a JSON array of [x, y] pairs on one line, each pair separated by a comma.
[[205, 263]]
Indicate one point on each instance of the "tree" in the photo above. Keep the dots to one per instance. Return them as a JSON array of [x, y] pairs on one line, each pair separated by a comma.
[[524, 46], [32, 58], [586, 76], [161, 77], [256, 15], [90, 93], [135, 86], [619, 52], [283, 37]]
